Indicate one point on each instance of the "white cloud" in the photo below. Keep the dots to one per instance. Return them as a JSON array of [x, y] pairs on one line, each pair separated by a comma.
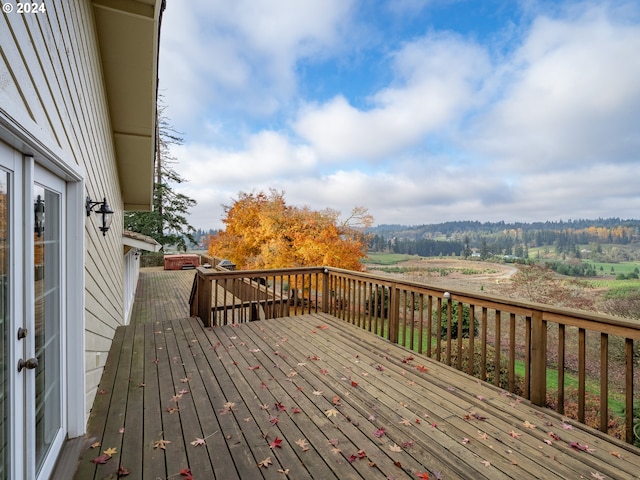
[[571, 96], [241, 55], [437, 77]]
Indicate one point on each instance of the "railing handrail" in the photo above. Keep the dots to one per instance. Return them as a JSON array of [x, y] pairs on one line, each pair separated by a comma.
[[551, 313]]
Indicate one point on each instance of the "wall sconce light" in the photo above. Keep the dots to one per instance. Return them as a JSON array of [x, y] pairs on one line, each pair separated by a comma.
[[38, 208], [104, 210]]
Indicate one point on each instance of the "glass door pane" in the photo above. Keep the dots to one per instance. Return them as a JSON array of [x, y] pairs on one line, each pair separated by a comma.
[[5, 326], [47, 320]]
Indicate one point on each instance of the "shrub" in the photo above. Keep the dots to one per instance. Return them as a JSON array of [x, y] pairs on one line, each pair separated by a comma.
[[466, 321]]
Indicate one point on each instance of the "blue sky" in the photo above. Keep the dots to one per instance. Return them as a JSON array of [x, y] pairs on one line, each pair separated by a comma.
[[423, 111]]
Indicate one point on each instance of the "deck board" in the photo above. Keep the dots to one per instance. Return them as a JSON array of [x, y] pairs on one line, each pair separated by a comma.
[[345, 403]]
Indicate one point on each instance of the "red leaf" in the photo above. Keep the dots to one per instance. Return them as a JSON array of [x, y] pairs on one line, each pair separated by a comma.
[[123, 472], [423, 475], [296, 410], [379, 433], [279, 407], [354, 384], [276, 443], [101, 459]]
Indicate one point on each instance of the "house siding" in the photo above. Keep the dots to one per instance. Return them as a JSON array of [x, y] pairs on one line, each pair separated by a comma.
[[51, 77]]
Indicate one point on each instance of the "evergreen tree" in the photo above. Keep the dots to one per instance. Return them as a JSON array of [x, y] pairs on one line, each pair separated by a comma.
[[167, 221]]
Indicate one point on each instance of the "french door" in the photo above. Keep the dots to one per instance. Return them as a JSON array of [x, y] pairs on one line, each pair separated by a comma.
[[32, 395]]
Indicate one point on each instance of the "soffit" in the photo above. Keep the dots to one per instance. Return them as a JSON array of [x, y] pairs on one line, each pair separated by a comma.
[[128, 34]]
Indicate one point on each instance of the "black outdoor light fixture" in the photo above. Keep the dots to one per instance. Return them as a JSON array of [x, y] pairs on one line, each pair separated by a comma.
[[38, 208], [104, 210]]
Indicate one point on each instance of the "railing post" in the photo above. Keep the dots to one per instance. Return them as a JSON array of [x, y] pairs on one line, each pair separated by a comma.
[[538, 388], [394, 313], [325, 290], [204, 299]]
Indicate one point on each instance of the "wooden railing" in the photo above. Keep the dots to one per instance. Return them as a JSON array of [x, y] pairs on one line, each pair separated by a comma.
[[518, 346]]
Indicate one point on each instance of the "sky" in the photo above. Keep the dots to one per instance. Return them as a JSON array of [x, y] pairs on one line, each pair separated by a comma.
[[422, 111]]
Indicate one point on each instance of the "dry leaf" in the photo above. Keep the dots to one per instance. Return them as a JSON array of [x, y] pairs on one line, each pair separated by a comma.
[[527, 424], [198, 441], [162, 443], [265, 463], [95, 444], [395, 448], [110, 451], [332, 412], [302, 443]]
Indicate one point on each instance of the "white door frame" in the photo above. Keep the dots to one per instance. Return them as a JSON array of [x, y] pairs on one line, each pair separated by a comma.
[[30, 150]]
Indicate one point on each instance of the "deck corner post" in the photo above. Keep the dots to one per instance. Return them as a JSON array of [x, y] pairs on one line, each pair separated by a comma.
[[538, 387], [325, 290], [394, 313], [204, 299]]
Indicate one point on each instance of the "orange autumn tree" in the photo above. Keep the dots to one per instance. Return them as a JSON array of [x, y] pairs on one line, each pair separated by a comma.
[[263, 232]]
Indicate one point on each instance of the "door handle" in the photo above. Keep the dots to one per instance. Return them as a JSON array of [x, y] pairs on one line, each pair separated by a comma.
[[29, 364]]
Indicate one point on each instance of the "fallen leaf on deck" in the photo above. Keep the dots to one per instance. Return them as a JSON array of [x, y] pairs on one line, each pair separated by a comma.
[[465, 440], [172, 410], [514, 434], [276, 443], [184, 380], [527, 424], [256, 367], [264, 463], [566, 426], [101, 459], [380, 368], [486, 463], [423, 475], [554, 436], [302, 443], [183, 391], [283, 470], [422, 368], [616, 454], [405, 422], [198, 441], [335, 450], [161, 444], [273, 420], [334, 442], [407, 444], [123, 472], [121, 430], [264, 407], [280, 407], [354, 384], [186, 472], [547, 441], [95, 444], [598, 476], [336, 400], [296, 410], [395, 448], [483, 435], [332, 412], [110, 451], [317, 392], [378, 433]]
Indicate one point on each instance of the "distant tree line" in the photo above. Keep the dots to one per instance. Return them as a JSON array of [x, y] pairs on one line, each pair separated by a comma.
[[490, 239]]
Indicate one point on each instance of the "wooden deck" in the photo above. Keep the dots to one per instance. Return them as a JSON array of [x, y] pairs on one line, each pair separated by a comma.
[[314, 397]]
